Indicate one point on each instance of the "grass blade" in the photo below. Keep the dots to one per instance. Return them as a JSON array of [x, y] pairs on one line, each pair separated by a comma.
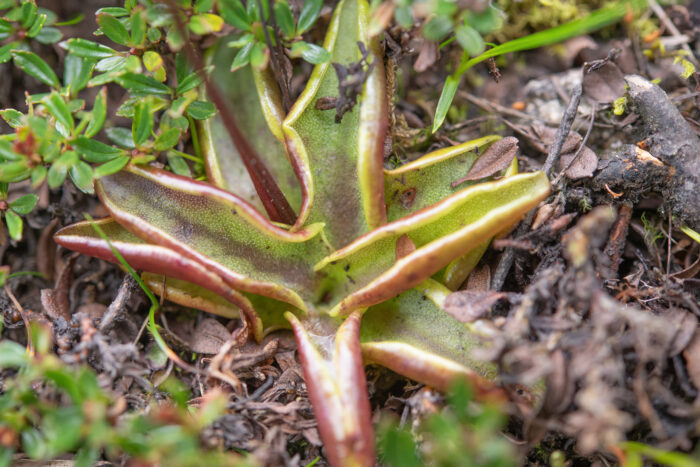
[[598, 19]]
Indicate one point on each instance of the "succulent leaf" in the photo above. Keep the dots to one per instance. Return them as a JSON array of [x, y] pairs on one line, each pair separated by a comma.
[[341, 162], [216, 229], [442, 232], [256, 104], [335, 379], [426, 180], [411, 335], [83, 238], [341, 257]]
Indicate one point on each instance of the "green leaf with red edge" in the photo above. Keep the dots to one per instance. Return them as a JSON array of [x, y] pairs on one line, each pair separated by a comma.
[[83, 238], [411, 335], [335, 379], [441, 232], [205, 237], [217, 229], [341, 164], [426, 180], [256, 104]]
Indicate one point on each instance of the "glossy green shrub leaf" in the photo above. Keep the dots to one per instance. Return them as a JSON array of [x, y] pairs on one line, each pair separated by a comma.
[[234, 13], [202, 6], [58, 108], [178, 164], [28, 14], [115, 11], [113, 28], [310, 52], [190, 82], [5, 29], [309, 15], [242, 58], [13, 355], [259, 56], [284, 17], [7, 152], [24, 204], [12, 117], [35, 66], [14, 225], [138, 28], [112, 166], [49, 35], [201, 110], [77, 72], [154, 63], [167, 139], [36, 26], [141, 85], [437, 28], [14, 171], [113, 63], [470, 39], [205, 23], [87, 49], [95, 151], [5, 51], [38, 175], [99, 114], [485, 21], [82, 176], [142, 124], [121, 136]]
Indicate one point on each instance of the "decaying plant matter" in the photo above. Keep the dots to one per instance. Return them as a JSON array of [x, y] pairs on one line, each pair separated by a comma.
[[360, 276]]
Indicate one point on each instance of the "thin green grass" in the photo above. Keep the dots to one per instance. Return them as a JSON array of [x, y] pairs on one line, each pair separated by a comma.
[[596, 20]]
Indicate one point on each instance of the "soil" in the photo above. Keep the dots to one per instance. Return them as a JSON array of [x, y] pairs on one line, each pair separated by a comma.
[[597, 292]]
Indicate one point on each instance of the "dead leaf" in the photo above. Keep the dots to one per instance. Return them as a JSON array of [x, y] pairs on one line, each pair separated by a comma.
[[544, 213], [685, 324], [55, 301], [604, 83], [46, 251], [404, 246], [496, 158], [688, 272], [209, 336], [427, 57], [467, 306], [692, 358], [541, 137], [480, 279], [582, 166]]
